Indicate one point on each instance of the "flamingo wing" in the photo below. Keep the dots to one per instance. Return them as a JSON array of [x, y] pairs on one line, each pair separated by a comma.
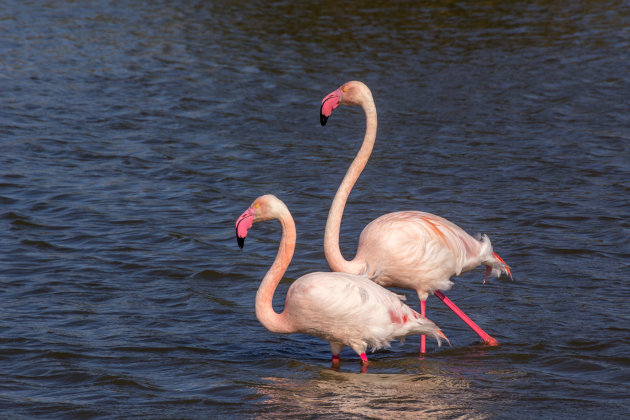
[[418, 250], [352, 310]]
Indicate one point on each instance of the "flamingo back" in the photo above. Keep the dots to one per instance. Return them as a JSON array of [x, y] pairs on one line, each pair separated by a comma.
[[352, 310], [418, 250]]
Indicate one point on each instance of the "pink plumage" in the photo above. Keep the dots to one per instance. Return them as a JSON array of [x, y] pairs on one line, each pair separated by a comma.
[[344, 309], [420, 251], [408, 249]]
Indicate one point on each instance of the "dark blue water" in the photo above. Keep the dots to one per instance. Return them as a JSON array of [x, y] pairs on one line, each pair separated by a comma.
[[133, 134]]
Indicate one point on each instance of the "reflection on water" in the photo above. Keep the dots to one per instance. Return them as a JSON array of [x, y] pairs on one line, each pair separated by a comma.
[[449, 384], [340, 395]]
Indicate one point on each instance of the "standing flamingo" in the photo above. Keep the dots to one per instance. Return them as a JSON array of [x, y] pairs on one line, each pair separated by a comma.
[[345, 309], [408, 249]]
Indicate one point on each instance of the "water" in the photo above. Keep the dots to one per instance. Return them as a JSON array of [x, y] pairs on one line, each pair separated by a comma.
[[133, 134]]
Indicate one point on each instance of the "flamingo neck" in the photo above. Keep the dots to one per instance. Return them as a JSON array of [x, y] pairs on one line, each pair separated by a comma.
[[336, 261], [265, 313]]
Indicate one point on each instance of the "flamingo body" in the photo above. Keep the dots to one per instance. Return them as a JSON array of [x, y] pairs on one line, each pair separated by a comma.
[[350, 310], [344, 309], [419, 251], [408, 249]]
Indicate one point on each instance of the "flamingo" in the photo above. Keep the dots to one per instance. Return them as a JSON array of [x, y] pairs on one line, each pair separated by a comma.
[[407, 249], [345, 309]]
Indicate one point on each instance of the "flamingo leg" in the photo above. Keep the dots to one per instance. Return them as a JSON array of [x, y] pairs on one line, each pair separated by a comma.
[[335, 363], [335, 349], [364, 363], [423, 338], [484, 336]]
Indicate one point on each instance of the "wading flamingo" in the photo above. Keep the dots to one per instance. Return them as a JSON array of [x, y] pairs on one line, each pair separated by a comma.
[[407, 249], [345, 309]]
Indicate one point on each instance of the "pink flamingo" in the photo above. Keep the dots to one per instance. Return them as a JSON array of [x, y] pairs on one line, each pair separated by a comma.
[[345, 309], [408, 249]]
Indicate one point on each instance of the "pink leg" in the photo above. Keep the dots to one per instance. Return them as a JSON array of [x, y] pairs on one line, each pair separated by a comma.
[[484, 336], [423, 338], [335, 361], [364, 363]]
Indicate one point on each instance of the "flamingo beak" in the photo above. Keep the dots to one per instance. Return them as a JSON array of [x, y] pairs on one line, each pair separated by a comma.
[[329, 103], [441, 334], [323, 119], [243, 223], [507, 267], [240, 241]]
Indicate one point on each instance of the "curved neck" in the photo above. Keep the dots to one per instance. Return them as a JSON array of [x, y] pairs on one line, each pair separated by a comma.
[[333, 224], [271, 320]]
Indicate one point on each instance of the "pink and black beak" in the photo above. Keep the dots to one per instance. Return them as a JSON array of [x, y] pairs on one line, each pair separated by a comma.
[[329, 103], [243, 223], [240, 241]]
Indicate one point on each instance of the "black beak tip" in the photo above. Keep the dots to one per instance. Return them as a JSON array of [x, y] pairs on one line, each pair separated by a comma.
[[240, 241], [322, 118]]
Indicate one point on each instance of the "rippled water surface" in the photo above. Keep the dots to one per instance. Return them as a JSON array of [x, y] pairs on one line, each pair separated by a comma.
[[133, 134]]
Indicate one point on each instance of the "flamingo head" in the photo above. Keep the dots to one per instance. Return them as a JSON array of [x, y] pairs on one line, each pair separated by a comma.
[[264, 208], [350, 93]]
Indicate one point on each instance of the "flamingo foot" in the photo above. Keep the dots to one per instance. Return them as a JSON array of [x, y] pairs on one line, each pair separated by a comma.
[[492, 342]]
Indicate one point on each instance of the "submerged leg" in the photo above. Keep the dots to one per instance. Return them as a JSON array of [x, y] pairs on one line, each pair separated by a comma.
[[335, 349], [484, 336], [423, 338], [364, 363]]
